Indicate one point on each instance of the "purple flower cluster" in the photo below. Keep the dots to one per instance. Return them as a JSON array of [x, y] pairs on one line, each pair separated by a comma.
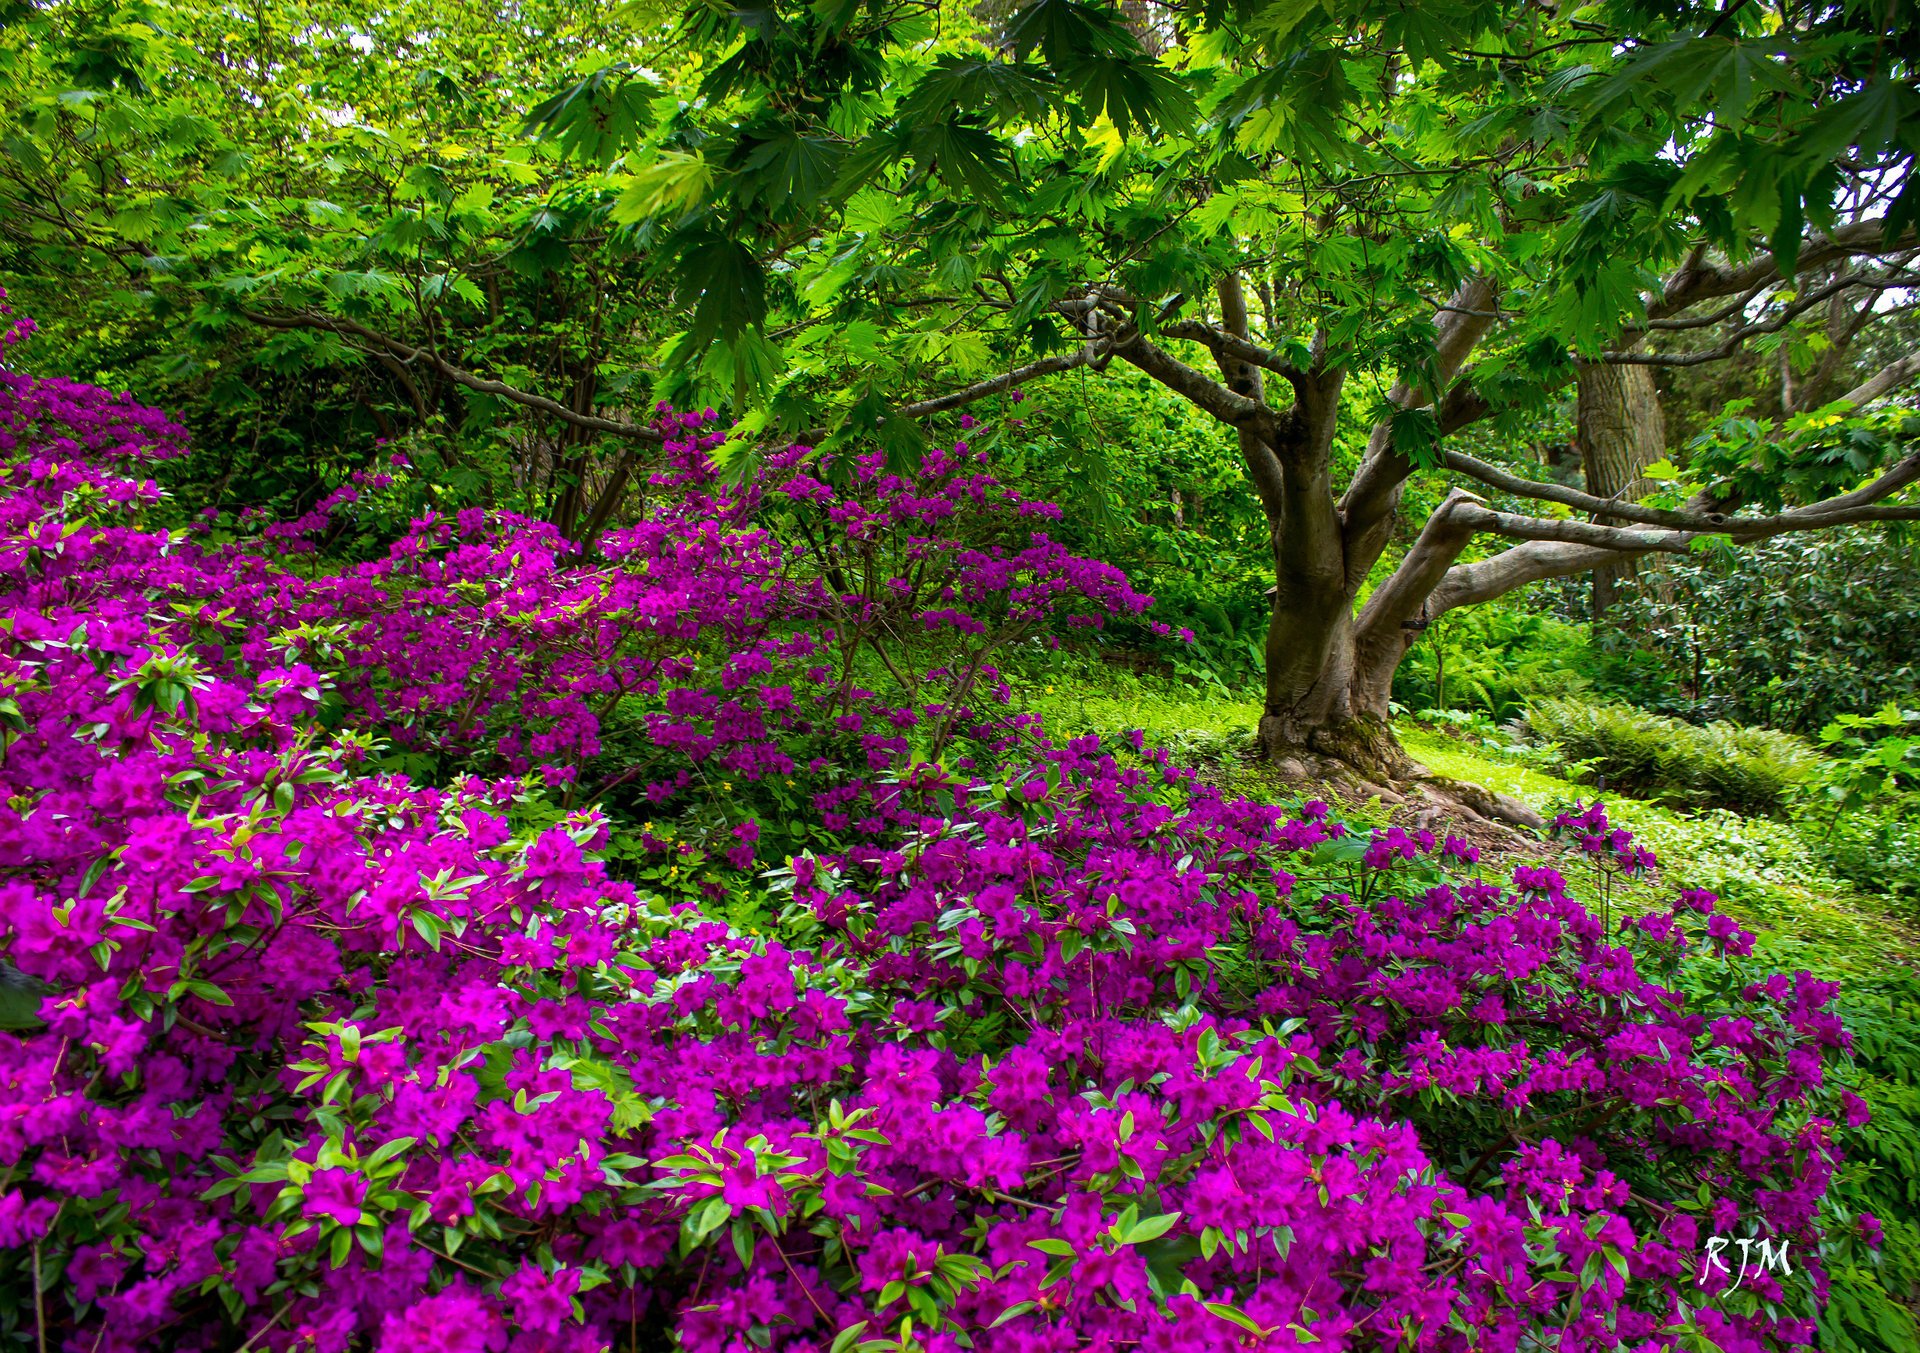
[[1057, 1050]]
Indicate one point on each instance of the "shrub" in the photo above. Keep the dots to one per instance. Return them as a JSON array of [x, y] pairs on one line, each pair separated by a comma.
[[1881, 1180], [1789, 633], [1050, 1047], [1746, 770]]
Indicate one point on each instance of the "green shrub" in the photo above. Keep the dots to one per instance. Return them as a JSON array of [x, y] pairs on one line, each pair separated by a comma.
[[1875, 847], [1790, 633], [1720, 765]]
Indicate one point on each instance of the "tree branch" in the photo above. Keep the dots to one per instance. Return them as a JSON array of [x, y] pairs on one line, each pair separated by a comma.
[[1885, 381], [1230, 345], [1208, 395], [1772, 324], [1690, 285], [1495, 477], [1537, 560], [406, 352], [1857, 506], [1009, 380], [1693, 283], [1243, 375], [1380, 635], [1552, 549], [1367, 506]]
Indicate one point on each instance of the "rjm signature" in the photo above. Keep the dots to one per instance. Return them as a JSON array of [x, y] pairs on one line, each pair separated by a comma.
[[1757, 1255]]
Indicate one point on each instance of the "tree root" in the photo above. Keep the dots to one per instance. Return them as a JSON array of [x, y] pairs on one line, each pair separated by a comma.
[[1362, 761]]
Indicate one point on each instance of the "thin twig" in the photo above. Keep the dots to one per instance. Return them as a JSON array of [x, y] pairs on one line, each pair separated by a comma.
[[39, 1303], [256, 1336]]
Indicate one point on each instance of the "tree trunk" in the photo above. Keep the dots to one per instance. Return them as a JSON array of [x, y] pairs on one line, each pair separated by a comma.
[[1620, 432], [576, 444], [1325, 714]]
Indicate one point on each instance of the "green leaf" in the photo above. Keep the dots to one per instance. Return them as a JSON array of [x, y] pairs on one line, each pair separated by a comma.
[[1068, 31], [388, 1150], [1725, 74], [708, 1217], [724, 283], [1131, 91], [1416, 435], [963, 153], [675, 182], [789, 168], [1151, 1228], [1233, 1315], [427, 926], [598, 117], [1011, 91]]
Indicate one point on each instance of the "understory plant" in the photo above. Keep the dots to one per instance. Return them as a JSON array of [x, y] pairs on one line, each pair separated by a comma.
[[1751, 771], [1048, 1046]]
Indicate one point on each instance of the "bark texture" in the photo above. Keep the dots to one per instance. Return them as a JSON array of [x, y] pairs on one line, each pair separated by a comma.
[[1620, 431]]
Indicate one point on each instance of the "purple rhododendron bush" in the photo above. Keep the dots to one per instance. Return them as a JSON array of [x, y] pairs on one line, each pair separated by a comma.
[[1016, 1045]]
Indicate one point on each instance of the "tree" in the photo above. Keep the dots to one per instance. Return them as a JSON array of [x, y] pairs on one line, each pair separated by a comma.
[[1438, 204], [1347, 232], [1621, 432], [184, 192]]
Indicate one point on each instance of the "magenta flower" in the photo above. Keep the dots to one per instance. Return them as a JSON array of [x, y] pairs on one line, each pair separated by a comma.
[[336, 1193], [455, 1321], [978, 1033], [541, 1302], [741, 1186]]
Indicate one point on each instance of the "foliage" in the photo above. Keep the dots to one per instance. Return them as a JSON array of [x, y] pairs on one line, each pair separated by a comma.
[[364, 162], [804, 213], [1867, 802], [1749, 770], [1882, 1011], [1050, 1042], [1495, 659], [1805, 457], [1877, 848], [1792, 633], [1873, 756], [1150, 486]]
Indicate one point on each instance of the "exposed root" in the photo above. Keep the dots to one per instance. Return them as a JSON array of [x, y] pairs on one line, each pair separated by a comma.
[[1362, 760], [1478, 800], [1487, 818]]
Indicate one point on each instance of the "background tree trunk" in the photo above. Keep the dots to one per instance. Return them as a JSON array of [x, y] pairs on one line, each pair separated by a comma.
[[1620, 431]]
